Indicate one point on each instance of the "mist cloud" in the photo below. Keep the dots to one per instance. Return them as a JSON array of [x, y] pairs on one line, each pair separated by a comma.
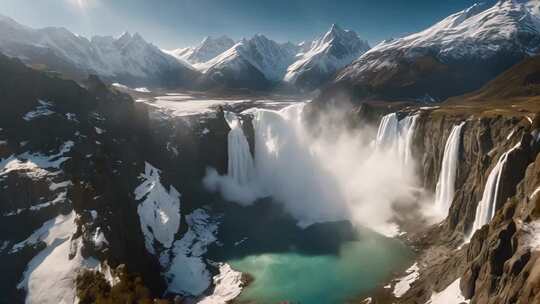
[[334, 175]]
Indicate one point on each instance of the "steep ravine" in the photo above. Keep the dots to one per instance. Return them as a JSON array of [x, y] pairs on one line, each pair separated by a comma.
[[499, 265]]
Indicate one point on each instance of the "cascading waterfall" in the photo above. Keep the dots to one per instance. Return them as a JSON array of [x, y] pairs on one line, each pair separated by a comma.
[[240, 164], [406, 133], [289, 171], [444, 193], [396, 136], [388, 132], [332, 176], [487, 206]]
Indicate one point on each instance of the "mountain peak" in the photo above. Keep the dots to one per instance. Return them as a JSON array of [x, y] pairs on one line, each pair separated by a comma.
[[259, 36], [138, 37], [124, 35], [209, 48], [9, 20], [335, 28], [220, 40], [320, 59]]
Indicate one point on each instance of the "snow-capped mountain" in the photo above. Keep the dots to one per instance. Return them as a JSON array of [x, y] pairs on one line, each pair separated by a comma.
[[252, 63], [259, 61], [208, 49], [323, 57], [128, 58], [458, 54]]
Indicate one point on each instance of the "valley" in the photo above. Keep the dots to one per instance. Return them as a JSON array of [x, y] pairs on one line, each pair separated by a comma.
[[253, 170]]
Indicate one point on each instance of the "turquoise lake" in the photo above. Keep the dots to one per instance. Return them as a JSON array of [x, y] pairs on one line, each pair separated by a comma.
[[359, 267]]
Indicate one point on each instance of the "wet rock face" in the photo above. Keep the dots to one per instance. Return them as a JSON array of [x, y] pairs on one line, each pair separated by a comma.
[[499, 265], [505, 268], [482, 143]]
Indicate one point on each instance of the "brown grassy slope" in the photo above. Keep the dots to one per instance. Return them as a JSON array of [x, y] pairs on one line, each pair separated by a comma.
[[515, 92], [521, 80]]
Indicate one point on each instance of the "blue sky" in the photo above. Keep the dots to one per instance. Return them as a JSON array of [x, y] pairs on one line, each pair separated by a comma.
[[178, 23]]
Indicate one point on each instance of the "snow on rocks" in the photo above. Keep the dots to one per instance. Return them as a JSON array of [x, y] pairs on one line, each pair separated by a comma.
[[209, 48], [125, 87], [35, 164], [228, 285], [72, 117], [478, 32], [60, 227], [142, 90], [50, 275], [186, 105], [159, 210], [404, 284], [331, 52], [451, 295], [12, 164], [99, 238], [55, 186], [187, 272], [43, 109]]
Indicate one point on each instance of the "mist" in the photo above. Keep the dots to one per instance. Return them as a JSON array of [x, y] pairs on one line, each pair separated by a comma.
[[337, 174]]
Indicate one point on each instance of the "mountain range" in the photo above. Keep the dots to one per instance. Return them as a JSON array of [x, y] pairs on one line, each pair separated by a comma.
[[255, 63], [105, 198], [456, 55], [128, 58]]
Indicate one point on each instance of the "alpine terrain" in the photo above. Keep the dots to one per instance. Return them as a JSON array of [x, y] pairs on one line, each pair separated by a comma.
[[260, 170]]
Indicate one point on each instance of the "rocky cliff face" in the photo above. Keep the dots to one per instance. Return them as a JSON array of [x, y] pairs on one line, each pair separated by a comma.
[[499, 264], [484, 141], [70, 160]]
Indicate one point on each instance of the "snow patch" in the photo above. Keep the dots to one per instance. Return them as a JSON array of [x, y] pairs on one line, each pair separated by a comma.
[[120, 86], [159, 210], [43, 109], [55, 186], [185, 105], [451, 295], [71, 117], [404, 284], [227, 286], [143, 90], [187, 272], [50, 276], [34, 164], [99, 238]]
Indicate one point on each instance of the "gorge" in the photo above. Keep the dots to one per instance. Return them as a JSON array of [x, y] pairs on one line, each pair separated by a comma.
[[256, 171]]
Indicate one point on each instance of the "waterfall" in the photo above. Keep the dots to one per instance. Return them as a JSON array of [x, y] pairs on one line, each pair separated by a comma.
[[240, 165], [406, 132], [328, 176], [444, 193], [387, 134], [396, 135], [290, 171], [486, 208]]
